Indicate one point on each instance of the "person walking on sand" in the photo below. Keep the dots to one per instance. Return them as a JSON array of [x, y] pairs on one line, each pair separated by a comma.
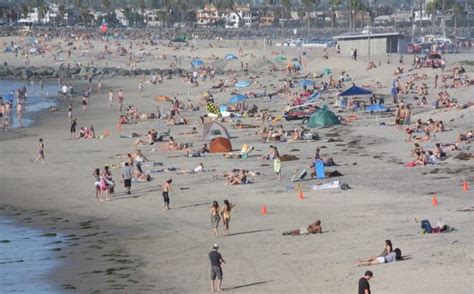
[[120, 99], [215, 218], [127, 173], [166, 189], [111, 97], [225, 212], [69, 112], [216, 268], [364, 286], [73, 128], [140, 87], [40, 152], [277, 163]]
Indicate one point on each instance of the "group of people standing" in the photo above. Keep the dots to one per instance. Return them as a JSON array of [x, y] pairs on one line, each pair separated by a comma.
[[104, 184], [217, 214]]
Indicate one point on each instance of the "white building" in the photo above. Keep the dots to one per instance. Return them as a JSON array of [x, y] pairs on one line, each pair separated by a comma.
[[152, 18], [240, 16], [121, 18]]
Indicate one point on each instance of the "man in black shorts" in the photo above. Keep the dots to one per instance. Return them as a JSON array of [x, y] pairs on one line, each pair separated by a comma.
[[216, 269], [364, 286], [127, 173]]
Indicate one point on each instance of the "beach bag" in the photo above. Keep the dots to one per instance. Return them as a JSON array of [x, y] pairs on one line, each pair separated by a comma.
[[426, 226]]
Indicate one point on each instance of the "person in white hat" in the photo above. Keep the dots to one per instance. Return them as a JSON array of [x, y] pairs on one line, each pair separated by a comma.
[[216, 268]]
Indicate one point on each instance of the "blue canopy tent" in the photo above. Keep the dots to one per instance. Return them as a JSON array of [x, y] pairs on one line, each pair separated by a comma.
[[376, 108], [197, 62], [230, 56], [306, 83], [242, 84], [237, 98], [356, 91]]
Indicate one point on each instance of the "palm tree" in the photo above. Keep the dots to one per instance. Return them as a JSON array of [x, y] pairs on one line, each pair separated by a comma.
[[333, 3], [433, 7], [308, 4], [286, 6]]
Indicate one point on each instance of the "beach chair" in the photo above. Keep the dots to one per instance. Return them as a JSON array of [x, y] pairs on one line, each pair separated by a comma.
[[319, 169]]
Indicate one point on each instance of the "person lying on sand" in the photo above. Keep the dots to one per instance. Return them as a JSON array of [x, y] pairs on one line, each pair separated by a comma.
[[198, 169], [171, 145], [314, 228], [390, 257]]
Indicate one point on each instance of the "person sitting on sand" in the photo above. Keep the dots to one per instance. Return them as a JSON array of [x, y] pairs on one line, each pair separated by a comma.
[[314, 228], [438, 152], [296, 136], [269, 155], [390, 257], [236, 177], [421, 158], [464, 137]]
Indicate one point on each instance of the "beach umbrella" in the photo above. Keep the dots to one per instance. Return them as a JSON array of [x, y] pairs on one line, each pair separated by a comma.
[[197, 62], [280, 58], [237, 98], [230, 56], [242, 84], [306, 83], [163, 98]]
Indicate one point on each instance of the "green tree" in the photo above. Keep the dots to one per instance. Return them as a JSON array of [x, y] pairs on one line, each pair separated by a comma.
[[286, 5], [333, 4], [106, 4], [142, 5]]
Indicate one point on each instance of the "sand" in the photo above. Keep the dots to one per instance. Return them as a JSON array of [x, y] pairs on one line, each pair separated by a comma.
[[129, 245]]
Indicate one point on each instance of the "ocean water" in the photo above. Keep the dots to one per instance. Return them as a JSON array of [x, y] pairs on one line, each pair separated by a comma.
[[27, 256], [37, 99]]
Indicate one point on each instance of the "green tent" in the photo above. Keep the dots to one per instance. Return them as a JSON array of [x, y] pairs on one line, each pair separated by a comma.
[[323, 118], [280, 58]]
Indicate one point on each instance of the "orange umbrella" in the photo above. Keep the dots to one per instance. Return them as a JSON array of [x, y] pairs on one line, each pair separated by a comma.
[[163, 98]]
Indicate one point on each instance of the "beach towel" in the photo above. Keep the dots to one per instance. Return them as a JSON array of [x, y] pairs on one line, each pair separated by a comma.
[[331, 185]]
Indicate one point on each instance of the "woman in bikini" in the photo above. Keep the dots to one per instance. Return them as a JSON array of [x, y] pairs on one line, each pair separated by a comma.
[[215, 218], [225, 212], [40, 152]]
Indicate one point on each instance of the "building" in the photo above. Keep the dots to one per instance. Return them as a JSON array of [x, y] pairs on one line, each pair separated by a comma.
[[208, 15], [380, 44], [121, 17], [239, 16]]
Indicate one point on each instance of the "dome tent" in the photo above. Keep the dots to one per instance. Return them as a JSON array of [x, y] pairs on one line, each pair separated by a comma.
[[323, 118]]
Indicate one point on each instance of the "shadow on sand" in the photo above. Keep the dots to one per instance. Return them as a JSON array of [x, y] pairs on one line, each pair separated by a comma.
[[248, 285], [249, 232]]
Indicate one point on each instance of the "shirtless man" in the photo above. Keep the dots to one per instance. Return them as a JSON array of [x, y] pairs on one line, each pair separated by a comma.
[[166, 189], [314, 228], [120, 99]]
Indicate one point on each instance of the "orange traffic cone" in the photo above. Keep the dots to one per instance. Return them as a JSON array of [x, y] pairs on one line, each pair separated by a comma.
[[264, 210], [301, 195], [434, 200], [465, 187]]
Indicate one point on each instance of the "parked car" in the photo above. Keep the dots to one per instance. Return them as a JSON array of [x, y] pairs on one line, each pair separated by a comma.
[[433, 59]]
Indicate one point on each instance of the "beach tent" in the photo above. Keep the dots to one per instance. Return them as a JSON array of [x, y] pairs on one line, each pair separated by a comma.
[[237, 98], [242, 84], [280, 58], [356, 91], [220, 144], [163, 98], [323, 118], [326, 71], [306, 83], [197, 62], [230, 56], [214, 129], [376, 108]]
